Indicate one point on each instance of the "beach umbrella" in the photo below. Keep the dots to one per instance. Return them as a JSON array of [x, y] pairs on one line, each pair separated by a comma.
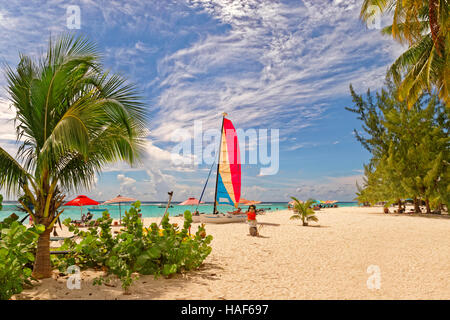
[[81, 201], [190, 202], [248, 202], [119, 200], [243, 201]]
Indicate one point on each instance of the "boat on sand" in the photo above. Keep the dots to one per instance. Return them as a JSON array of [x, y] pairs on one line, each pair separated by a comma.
[[228, 178]]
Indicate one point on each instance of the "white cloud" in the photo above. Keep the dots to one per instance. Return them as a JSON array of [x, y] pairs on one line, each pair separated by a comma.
[[273, 68], [127, 184], [331, 188], [273, 65], [7, 130]]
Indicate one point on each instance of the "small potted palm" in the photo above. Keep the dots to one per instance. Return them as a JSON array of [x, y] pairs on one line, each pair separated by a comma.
[[303, 211]]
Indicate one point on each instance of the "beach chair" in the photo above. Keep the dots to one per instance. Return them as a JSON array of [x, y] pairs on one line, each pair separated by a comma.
[[84, 222]]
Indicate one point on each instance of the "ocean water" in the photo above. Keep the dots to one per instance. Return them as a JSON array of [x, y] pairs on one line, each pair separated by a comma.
[[149, 209]]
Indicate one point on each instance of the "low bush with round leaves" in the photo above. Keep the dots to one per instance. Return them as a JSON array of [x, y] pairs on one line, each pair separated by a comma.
[[135, 249], [17, 249]]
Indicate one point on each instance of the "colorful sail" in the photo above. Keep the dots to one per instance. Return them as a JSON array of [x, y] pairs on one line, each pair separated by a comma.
[[229, 173]]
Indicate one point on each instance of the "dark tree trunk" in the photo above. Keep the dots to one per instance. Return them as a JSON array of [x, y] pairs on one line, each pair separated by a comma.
[[416, 205], [42, 266], [399, 206], [427, 204]]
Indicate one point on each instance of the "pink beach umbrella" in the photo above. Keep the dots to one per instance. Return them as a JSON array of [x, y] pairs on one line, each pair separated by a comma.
[[120, 199], [190, 202]]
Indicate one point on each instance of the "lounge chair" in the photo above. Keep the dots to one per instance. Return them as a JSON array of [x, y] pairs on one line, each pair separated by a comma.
[[85, 221]]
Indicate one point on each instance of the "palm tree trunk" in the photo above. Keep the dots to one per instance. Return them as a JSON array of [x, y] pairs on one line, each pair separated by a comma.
[[416, 205], [42, 266], [427, 204], [433, 8]]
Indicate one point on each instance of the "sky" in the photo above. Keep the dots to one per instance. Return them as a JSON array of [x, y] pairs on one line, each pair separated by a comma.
[[283, 65]]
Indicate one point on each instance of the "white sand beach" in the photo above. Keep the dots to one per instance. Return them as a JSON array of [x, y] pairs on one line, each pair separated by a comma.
[[327, 260]]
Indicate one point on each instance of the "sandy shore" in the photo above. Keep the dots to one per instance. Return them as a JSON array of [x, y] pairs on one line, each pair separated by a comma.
[[328, 260]]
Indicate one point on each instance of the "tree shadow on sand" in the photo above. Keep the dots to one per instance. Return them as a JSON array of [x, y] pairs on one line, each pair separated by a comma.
[[269, 224], [145, 287], [314, 226]]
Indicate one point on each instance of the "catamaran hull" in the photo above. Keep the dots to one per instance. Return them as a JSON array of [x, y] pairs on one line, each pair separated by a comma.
[[223, 218]]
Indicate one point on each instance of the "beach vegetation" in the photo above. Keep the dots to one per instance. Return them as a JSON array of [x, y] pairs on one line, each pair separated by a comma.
[[425, 27], [410, 149], [72, 118], [135, 250], [303, 211], [17, 249]]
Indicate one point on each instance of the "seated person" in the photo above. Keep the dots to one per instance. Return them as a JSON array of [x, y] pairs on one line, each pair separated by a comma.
[[89, 217], [251, 220], [238, 211]]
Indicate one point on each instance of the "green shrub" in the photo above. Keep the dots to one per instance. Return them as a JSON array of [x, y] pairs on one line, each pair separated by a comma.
[[136, 250], [17, 247]]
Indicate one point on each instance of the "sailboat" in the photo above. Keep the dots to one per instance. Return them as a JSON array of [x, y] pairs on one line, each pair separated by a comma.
[[228, 177]]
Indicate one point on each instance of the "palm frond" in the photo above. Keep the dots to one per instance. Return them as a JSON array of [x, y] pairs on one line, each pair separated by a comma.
[[12, 173]]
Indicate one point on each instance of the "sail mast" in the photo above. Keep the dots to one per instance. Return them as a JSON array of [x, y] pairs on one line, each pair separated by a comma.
[[218, 163]]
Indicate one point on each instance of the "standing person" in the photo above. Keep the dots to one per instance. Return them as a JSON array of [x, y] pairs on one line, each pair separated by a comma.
[[251, 220]]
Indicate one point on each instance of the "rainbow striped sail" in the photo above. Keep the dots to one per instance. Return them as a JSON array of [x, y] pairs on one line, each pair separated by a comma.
[[229, 170]]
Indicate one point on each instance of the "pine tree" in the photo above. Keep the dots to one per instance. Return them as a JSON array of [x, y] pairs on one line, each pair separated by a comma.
[[410, 148]]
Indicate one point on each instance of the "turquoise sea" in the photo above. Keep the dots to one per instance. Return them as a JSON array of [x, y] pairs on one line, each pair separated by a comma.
[[149, 209]]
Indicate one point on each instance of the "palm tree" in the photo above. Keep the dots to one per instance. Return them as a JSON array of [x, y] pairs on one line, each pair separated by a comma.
[[425, 27], [71, 120], [303, 211]]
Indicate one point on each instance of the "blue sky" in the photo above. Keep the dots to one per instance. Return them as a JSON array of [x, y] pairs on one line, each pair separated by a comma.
[[270, 64]]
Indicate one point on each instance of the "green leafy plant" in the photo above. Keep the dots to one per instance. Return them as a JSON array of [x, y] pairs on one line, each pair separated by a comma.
[[1, 200], [72, 119], [424, 26], [409, 149], [303, 211], [136, 250], [17, 248]]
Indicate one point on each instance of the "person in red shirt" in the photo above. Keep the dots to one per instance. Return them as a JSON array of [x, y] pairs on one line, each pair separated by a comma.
[[251, 220]]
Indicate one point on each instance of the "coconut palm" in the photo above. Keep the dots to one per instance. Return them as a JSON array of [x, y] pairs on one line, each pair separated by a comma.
[[72, 118], [303, 211], [424, 26]]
